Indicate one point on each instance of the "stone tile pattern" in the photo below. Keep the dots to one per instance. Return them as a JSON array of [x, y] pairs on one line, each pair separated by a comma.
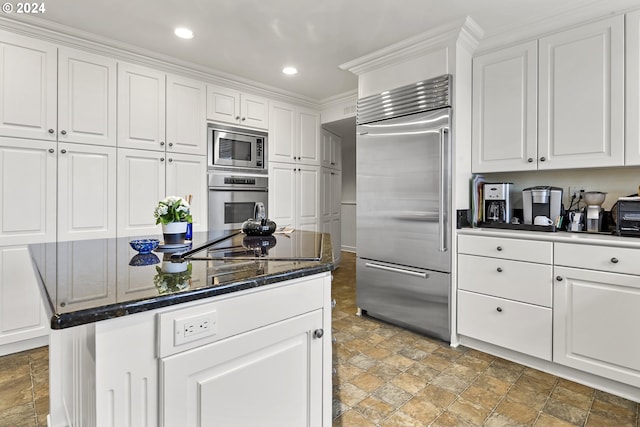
[[390, 377]]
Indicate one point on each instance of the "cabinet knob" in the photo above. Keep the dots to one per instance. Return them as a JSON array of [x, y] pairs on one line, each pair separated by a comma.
[[334, 340], [64, 132], [542, 159], [499, 248], [171, 144], [333, 303], [559, 278], [170, 160], [530, 160], [499, 309], [63, 151], [162, 159], [499, 269], [318, 333], [51, 150], [237, 117], [161, 142], [51, 131], [614, 260], [244, 118]]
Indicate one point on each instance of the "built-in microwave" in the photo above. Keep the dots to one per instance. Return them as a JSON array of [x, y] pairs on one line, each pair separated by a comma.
[[236, 148]]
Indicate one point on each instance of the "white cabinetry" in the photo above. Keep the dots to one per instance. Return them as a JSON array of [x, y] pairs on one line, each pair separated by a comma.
[[580, 102], [504, 293], [231, 106], [331, 153], [294, 195], [581, 105], [186, 111], [632, 138], [505, 105], [596, 300], [86, 191], [186, 174], [330, 207], [294, 134]]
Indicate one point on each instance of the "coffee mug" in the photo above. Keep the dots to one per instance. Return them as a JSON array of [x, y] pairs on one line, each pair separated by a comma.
[[542, 220]]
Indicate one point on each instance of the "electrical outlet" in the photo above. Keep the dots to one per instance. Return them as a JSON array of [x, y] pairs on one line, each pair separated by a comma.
[[193, 328], [575, 190]]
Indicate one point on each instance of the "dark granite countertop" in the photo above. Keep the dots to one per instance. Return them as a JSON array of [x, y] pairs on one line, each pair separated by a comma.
[[87, 281]]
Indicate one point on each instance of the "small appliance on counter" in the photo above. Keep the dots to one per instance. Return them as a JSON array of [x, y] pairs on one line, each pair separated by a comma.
[[594, 201], [497, 202], [259, 225], [542, 201], [627, 216]]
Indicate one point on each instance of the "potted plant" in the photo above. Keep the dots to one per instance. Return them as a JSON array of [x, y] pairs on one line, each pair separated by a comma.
[[174, 213]]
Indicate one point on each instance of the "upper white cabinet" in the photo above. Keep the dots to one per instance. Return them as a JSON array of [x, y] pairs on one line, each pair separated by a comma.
[[505, 104], [580, 102], [294, 195], [141, 107], [331, 150], [294, 134], [86, 98], [632, 145], [581, 105], [27, 87], [186, 110], [186, 174], [231, 106]]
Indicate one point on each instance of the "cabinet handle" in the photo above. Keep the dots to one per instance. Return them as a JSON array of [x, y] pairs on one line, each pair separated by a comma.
[[171, 144], [63, 151], [559, 278], [162, 159], [51, 150], [614, 260], [499, 248], [542, 159], [499, 309], [530, 160], [64, 132], [499, 269], [161, 142], [318, 333], [51, 131]]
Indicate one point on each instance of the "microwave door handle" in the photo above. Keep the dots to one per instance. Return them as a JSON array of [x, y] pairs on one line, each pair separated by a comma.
[[442, 190]]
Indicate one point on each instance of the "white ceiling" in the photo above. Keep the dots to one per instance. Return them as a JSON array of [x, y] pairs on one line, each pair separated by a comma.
[[254, 39]]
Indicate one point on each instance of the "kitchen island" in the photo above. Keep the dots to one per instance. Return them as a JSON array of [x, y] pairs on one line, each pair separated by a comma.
[[235, 331]]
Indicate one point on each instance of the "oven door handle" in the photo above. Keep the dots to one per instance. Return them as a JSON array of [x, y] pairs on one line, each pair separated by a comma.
[[259, 189]]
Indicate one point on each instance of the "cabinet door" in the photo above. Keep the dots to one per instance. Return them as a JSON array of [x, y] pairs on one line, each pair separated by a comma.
[[223, 104], [308, 197], [187, 174], [282, 194], [186, 117], [86, 192], [141, 184], [632, 146], [326, 198], [27, 87], [325, 148], [22, 315], [271, 376], [505, 104], [336, 192], [86, 98], [27, 191], [308, 143], [581, 109], [282, 132], [254, 111], [335, 161], [595, 323], [141, 107]]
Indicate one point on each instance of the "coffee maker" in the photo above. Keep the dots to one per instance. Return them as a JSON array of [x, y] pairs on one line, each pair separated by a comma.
[[497, 202], [541, 201]]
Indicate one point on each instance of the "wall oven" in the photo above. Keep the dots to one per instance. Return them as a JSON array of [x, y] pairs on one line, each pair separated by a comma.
[[230, 147], [233, 197]]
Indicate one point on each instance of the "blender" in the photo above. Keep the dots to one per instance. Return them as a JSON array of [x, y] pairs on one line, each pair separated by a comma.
[[594, 200]]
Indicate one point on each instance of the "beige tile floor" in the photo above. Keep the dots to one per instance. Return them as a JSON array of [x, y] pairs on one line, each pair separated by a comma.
[[387, 376]]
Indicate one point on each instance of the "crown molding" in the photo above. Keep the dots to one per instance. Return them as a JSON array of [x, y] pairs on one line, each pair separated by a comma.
[[343, 98], [465, 30], [70, 37]]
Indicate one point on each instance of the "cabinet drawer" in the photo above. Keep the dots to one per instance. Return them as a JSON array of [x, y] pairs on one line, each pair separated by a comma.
[[499, 247], [514, 325], [520, 281], [593, 257]]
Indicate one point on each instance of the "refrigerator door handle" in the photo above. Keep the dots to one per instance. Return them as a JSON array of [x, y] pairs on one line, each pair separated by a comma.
[[397, 270], [442, 184]]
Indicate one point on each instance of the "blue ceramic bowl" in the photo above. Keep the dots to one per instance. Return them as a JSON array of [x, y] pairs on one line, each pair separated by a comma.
[[144, 246]]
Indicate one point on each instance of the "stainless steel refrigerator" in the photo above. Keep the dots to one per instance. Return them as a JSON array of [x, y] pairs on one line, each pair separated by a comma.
[[403, 168]]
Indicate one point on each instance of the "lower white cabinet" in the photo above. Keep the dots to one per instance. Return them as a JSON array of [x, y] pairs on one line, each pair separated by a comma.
[[277, 368], [294, 195]]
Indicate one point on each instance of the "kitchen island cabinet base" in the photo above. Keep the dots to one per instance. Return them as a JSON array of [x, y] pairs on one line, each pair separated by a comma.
[[129, 371]]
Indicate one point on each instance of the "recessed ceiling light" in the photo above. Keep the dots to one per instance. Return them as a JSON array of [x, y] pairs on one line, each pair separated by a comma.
[[290, 70], [183, 33]]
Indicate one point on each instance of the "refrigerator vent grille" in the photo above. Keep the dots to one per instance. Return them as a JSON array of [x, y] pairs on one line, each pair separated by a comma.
[[414, 98]]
